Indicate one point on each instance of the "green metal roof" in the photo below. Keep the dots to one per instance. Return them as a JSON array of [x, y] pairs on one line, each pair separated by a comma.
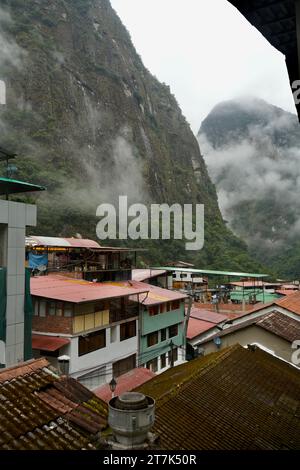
[[10, 186], [211, 272], [260, 296]]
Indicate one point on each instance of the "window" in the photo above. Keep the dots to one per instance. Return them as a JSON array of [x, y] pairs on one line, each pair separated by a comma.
[[51, 308], [36, 307], [173, 356], [68, 310], [154, 310], [91, 342], [152, 339], [175, 304], [127, 330], [152, 365], [42, 310], [163, 334], [173, 331], [163, 361], [124, 366], [59, 309], [162, 308]]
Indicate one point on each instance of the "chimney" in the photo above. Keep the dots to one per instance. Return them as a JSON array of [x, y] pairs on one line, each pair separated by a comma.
[[64, 365], [131, 416]]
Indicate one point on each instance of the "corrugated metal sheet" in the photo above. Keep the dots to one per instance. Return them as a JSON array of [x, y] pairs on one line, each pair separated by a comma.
[[61, 242], [211, 272], [125, 383], [197, 327], [78, 291], [156, 295], [48, 343]]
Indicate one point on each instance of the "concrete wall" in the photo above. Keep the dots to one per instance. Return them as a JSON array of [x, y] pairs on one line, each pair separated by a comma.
[[114, 351], [14, 217], [254, 334], [151, 324]]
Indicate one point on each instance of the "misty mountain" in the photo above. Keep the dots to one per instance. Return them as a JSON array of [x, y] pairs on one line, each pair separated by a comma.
[[252, 150], [90, 123]]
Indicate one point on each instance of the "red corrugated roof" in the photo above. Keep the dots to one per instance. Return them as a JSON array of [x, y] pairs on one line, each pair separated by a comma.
[[62, 242], [125, 383], [48, 343], [156, 295], [78, 291], [207, 315], [197, 327]]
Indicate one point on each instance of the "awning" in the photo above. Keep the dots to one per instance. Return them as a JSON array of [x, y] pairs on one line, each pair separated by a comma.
[[48, 343]]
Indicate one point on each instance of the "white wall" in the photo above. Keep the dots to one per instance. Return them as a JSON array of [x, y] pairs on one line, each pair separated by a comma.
[[111, 353]]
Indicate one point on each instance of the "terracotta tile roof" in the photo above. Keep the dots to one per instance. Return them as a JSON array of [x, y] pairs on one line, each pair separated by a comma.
[[125, 383], [41, 411], [233, 399], [281, 325], [197, 327]]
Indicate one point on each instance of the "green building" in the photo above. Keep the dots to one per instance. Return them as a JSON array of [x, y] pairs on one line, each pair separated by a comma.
[[161, 329]]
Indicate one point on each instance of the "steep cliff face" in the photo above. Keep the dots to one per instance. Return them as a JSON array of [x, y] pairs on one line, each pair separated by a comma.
[[92, 123], [252, 151]]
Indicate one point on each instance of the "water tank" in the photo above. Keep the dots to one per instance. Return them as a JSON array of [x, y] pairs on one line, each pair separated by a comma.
[[130, 417]]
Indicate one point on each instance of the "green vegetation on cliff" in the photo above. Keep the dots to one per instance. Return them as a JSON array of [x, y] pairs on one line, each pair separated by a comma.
[[91, 123]]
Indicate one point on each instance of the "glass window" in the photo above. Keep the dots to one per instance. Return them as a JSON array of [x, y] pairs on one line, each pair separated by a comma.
[[68, 310], [163, 361], [51, 308], [163, 308], [127, 330], [152, 339], [173, 355], [173, 331], [163, 334], [59, 309], [91, 342], [42, 308], [153, 365], [36, 307]]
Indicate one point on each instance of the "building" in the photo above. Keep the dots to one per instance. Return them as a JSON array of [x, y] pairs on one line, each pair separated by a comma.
[[95, 324], [80, 258], [273, 332], [274, 327], [42, 411], [15, 302], [235, 399], [162, 328]]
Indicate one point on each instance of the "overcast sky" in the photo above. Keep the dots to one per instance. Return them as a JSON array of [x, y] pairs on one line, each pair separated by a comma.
[[206, 51]]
